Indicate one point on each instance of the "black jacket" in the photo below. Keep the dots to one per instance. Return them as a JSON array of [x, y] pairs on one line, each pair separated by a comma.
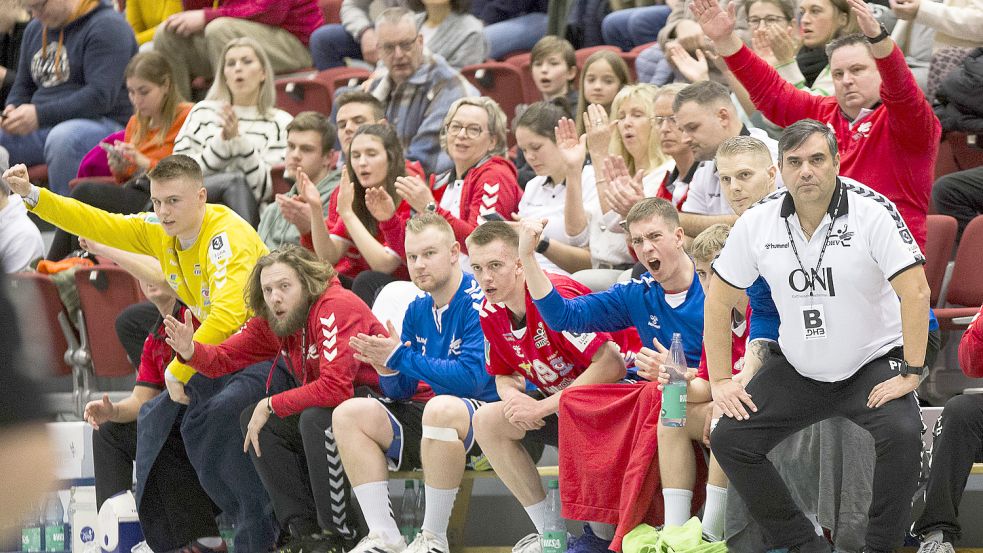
[[958, 102]]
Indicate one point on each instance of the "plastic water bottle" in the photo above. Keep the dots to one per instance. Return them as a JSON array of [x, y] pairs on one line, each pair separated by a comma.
[[227, 530], [32, 532], [554, 538], [420, 509], [54, 524], [674, 393], [407, 512]]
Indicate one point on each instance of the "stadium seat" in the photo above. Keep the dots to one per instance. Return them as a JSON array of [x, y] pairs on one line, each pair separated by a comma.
[[499, 81], [104, 291], [38, 174], [280, 184], [938, 251], [298, 94], [585, 53], [523, 63], [958, 152], [48, 317], [964, 290], [96, 180], [339, 77]]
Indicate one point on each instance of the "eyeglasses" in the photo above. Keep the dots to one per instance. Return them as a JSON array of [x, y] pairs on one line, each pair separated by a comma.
[[770, 20], [660, 119], [471, 131], [389, 48]]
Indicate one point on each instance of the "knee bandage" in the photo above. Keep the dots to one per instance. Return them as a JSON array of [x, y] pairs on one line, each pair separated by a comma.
[[440, 433]]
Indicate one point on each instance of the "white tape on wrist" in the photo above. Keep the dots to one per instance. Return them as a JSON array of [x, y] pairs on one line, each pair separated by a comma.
[[440, 433]]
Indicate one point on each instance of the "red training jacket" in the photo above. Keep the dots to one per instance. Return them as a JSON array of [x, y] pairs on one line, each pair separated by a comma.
[[971, 349]]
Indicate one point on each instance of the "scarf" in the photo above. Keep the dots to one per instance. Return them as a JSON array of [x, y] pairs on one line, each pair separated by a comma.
[[811, 62]]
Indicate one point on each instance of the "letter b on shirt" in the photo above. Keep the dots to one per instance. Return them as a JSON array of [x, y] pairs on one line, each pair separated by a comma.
[[813, 322]]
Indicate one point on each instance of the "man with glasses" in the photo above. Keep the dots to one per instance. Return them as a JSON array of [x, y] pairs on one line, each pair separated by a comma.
[[417, 88], [74, 94]]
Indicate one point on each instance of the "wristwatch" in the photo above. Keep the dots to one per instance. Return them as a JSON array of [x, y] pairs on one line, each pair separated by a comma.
[[32, 197], [543, 245], [432, 207], [907, 369], [884, 34]]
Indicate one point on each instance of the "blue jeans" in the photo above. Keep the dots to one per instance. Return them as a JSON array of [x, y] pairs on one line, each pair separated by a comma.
[[62, 147], [633, 27], [514, 35], [331, 44]]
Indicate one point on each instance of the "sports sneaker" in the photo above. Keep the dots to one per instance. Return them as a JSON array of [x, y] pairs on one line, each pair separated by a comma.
[[588, 543], [529, 544], [426, 542], [374, 543], [936, 547], [313, 543]]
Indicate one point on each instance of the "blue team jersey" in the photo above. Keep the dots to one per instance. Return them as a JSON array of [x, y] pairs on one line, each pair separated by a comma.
[[639, 303], [446, 348]]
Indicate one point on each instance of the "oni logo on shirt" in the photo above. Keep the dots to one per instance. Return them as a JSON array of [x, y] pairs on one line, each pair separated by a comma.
[[822, 280]]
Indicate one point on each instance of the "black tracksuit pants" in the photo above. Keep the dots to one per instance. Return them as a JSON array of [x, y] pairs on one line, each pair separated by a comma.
[[788, 402], [175, 509], [301, 470], [957, 445]]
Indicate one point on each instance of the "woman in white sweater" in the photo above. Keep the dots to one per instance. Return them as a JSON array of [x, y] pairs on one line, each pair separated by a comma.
[[236, 134]]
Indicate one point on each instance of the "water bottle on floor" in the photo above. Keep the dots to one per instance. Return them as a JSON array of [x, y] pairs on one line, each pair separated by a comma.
[[54, 524], [674, 393], [555, 528], [407, 513], [420, 509], [32, 531]]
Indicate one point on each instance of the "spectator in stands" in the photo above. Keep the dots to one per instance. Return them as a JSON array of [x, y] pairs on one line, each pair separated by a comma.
[[532, 353], [451, 32], [958, 443], [801, 61], [237, 134], [367, 216], [706, 115], [604, 73], [960, 194], [13, 22], [417, 89], [560, 187], [297, 302], [553, 63], [887, 133], [146, 15], [149, 137], [354, 38], [482, 184], [511, 26], [352, 110], [205, 252], [441, 344], [183, 515], [310, 150], [195, 39], [69, 92], [631, 27], [20, 239]]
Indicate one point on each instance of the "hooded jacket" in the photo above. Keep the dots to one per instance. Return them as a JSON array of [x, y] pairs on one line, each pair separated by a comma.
[[76, 72]]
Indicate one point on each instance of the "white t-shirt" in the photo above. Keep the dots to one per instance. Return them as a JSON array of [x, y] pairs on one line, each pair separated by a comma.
[[545, 200], [451, 200], [20, 239], [705, 196], [853, 315]]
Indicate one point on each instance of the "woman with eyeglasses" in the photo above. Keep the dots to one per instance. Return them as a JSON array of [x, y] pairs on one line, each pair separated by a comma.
[[363, 231], [482, 185], [799, 57]]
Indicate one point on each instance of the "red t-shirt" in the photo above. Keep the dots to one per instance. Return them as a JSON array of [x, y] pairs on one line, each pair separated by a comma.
[[738, 345]]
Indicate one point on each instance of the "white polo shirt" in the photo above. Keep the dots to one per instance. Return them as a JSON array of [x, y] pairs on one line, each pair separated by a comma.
[[853, 314], [705, 196], [544, 199]]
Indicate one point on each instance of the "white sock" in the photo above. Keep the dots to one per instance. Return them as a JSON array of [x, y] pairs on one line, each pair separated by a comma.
[[373, 497], [602, 530], [211, 541], [437, 515], [715, 512], [935, 536], [814, 519], [537, 513], [678, 504]]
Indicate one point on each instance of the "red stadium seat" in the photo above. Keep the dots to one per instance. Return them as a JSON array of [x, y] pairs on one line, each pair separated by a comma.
[[585, 53], [280, 184], [104, 291], [38, 174], [47, 324], [298, 94], [965, 288], [958, 152], [938, 251], [523, 62], [339, 77], [499, 81]]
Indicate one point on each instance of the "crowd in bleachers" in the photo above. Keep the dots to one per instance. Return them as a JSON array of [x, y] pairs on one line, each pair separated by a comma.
[[348, 214]]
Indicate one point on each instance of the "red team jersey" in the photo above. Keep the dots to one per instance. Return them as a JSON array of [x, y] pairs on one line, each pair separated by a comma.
[[549, 359]]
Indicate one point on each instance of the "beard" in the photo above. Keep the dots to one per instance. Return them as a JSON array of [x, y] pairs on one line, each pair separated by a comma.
[[292, 322]]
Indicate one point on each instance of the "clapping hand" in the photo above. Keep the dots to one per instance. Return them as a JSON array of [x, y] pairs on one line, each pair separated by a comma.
[[379, 203], [375, 350], [572, 148], [598, 127], [716, 23], [230, 122], [624, 191], [99, 411], [693, 69], [416, 192], [868, 24]]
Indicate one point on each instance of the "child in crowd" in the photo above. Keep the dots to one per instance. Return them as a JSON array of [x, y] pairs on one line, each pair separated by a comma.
[[603, 75]]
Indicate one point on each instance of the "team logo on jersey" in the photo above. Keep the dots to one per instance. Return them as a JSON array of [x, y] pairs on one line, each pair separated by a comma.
[[776, 246], [423, 345], [518, 350], [579, 341], [197, 269], [863, 131], [560, 365], [455, 347], [330, 334], [654, 322], [821, 281], [841, 237], [541, 339], [312, 351]]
